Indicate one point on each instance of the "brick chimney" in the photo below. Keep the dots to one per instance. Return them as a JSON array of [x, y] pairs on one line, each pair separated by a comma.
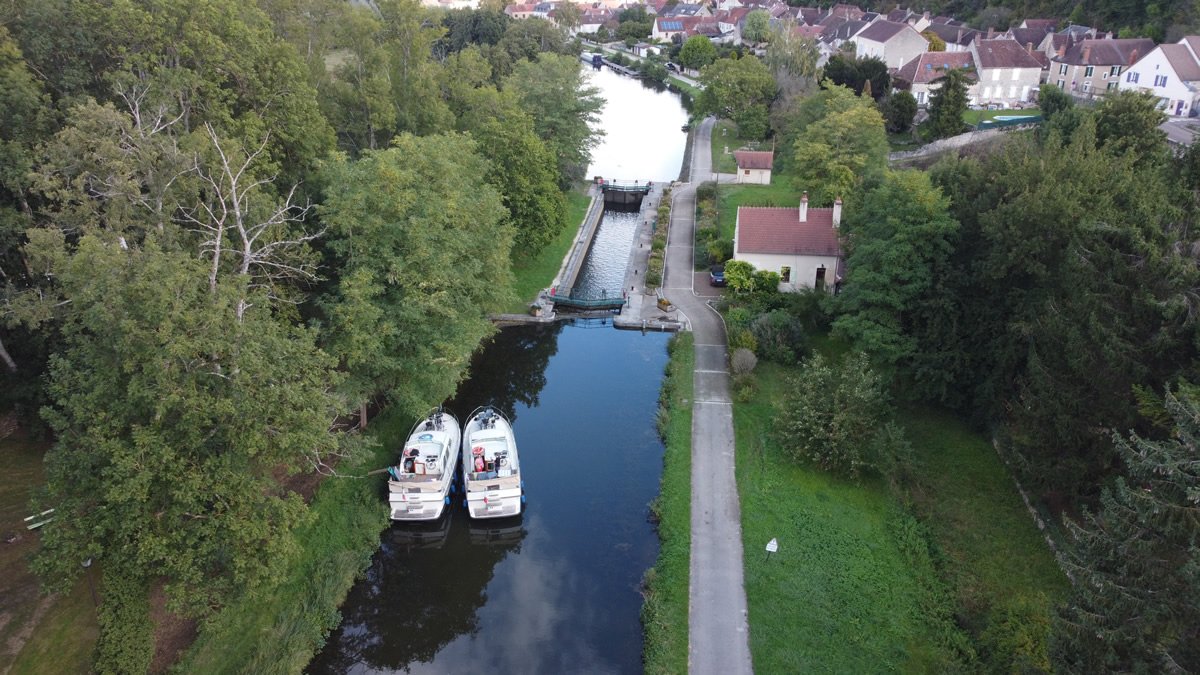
[[804, 207], [960, 34], [1133, 56], [837, 211], [1062, 49], [1029, 47], [1087, 53]]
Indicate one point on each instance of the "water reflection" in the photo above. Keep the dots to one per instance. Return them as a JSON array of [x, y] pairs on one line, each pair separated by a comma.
[[643, 130], [556, 591], [603, 270]]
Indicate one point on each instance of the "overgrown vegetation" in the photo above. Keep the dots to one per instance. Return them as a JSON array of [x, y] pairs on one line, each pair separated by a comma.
[[658, 242], [665, 612]]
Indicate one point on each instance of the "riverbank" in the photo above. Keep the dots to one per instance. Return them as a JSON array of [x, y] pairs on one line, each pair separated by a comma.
[[665, 612]]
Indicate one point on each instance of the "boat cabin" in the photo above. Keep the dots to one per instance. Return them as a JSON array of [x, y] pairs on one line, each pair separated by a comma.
[[423, 460]]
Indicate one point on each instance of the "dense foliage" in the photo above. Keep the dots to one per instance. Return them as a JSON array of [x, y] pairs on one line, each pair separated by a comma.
[[196, 286]]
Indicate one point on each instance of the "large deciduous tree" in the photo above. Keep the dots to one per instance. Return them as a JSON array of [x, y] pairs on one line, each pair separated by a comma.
[[697, 52], [738, 89], [564, 109], [173, 415], [836, 152], [899, 242], [756, 26], [417, 233]]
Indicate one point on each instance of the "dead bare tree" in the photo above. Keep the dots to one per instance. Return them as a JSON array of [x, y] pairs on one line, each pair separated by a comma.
[[241, 226]]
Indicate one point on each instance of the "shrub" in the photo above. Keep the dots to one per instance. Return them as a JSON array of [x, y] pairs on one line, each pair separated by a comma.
[[706, 191], [831, 413], [743, 361], [744, 388], [719, 251], [780, 336], [1016, 638], [812, 308], [742, 338], [738, 318], [126, 643]]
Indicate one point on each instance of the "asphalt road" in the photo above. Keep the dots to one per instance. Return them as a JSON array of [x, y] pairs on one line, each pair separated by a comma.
[[718, 633]]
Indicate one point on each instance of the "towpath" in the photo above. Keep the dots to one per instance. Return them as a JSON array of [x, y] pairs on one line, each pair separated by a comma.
[[718, 633]]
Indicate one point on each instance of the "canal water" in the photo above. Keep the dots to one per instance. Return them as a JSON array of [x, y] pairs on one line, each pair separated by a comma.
[[644, 141], [557, 589]]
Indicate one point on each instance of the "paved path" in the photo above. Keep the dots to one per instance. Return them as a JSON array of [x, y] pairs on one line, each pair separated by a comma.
[[718, 635]]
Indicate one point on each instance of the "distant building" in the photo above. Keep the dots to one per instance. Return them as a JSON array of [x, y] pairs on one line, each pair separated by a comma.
[[893, 43], [1090, 67], [1170, 72], [754, 167], [800, 244], [1007, 73], [918, 75]]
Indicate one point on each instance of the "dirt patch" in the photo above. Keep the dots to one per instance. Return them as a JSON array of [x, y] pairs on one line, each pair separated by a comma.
[[172, 633]]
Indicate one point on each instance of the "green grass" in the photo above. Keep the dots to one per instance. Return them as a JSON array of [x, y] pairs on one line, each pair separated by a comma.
[[781, 192], [725, 134], [62, 638], [694, 92], [974, 117], [995, 557], [900, 142], [665, 612], [842, 594], [537, 272], [280, 631]]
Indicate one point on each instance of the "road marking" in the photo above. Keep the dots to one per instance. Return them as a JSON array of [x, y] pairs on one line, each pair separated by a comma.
[[723, 372], [715, 402]]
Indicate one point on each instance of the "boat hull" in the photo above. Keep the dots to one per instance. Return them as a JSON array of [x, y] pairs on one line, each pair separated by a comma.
[[422, 494], [491, 469]]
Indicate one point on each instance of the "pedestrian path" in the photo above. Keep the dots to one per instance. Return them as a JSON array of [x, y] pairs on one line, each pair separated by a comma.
[[718, 632]]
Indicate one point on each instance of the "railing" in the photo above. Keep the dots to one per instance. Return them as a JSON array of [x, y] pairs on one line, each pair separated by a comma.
[[589, 303]]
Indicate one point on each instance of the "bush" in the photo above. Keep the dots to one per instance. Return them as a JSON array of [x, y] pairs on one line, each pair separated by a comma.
[[741, 338], [832, 413], [780, 336], [812, 308], [743, 361], [744, 388], [706, 191], [126, 643], [1016, 638], [719, 251]]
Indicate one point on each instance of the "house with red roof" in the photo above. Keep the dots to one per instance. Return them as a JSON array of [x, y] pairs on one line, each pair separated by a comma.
[[918, 75], [1008, 74], [1090, 67], [754, 166], [800, 244]]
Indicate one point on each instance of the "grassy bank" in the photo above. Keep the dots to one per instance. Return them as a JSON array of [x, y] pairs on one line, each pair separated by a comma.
[[684, 87], [41, 634], [665, 612], [725, 135], [1004, 576], [848, 590], [536, 272], [974, 117], [282, 630]]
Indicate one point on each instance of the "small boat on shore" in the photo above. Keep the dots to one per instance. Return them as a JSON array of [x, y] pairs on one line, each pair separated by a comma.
[[491, 470], [420, 484]]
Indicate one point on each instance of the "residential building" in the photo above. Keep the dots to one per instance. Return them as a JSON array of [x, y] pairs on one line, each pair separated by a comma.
[[1172, 73], [800, 244], [918, 75], [754, 166], [1008, 74], [1090, 67], [893, 43], [957, 38]]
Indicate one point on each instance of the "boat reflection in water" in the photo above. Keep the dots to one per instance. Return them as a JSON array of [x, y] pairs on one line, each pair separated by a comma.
[[431, 534], [500, 532]]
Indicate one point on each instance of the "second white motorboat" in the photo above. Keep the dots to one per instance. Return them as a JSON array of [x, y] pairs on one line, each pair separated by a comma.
[[419, 486], [491, 470]]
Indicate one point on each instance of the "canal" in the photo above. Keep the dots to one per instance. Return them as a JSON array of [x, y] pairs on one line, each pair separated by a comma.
[[556, 590]]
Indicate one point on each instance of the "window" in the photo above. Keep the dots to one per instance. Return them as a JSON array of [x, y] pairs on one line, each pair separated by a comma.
[[987, 93], [1131, 77], [1062, 70], [995, 75], [1111, 86], [1087, 72], [785, 275], [747, 172], [1115, 71], [1062, 84], [1160, 80], [1087, 86], [1016, 74], [920, 97]]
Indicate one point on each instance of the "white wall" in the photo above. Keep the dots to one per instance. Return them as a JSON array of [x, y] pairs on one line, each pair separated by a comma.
[[1155, 63], [754, 176], [804, 268]]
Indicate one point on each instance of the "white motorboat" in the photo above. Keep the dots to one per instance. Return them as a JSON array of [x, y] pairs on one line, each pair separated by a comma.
[[419, 485], [491, 470]]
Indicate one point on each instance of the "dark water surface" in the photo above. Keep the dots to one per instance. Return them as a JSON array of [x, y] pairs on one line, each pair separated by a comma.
[[555, 591], [603, 271]]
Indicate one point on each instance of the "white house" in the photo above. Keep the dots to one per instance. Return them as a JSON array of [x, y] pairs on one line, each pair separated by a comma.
[[754, 167], [1170, 72], [1008, 74], [893, 43], [800, 244]]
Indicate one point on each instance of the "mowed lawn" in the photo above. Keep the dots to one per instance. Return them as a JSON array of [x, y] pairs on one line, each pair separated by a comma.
[[725, 136], [841, 595], [533, 273], [38, 634], [781, 192]]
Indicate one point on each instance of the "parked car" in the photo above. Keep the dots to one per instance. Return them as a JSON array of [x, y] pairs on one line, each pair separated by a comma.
[[716, 275]]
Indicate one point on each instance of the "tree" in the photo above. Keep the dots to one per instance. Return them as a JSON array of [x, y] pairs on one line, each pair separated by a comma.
[[832, 412], [408, 34], [1128, 121], [1052, 100], [947, 104], [697, 52], [173, 415], [792, 59], [1135, 606], [936, 43], [836, 153], [899, 242], [739, 275], [358, 98], [567, 15], [852, 72], [756, 26], [738, 89], [417, 234], [565, 110], [899, 109]]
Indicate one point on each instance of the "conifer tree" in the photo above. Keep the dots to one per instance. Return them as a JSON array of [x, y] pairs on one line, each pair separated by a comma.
[[1136, 562]]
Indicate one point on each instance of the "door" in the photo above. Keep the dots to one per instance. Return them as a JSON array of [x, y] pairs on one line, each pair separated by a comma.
[[820, 281]]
